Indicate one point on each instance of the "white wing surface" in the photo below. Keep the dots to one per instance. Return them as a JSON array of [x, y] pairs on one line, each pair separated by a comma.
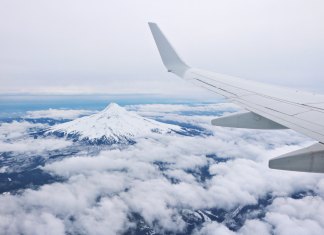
[[268, 106]]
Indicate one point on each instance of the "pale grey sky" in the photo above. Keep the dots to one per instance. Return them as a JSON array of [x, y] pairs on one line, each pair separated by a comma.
[[89, 47]]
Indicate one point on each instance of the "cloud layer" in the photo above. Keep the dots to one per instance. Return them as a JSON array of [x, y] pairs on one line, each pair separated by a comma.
[[58, 113], [157, 179]]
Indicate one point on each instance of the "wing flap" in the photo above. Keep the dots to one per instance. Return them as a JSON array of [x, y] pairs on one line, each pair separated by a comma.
[[314, 117], [310, 159], [276, 105], [248, 120], [305, 127]]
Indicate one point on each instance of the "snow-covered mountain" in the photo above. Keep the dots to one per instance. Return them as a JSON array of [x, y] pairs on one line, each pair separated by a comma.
[[112, 125]]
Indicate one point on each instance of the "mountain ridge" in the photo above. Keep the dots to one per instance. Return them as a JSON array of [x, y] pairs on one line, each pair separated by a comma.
[[114, 124]]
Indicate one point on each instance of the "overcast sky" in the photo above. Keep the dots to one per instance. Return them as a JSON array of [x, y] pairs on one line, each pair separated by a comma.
[[90, 47]]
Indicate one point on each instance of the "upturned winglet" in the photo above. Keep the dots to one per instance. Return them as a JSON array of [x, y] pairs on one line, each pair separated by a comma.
[[169, 56]]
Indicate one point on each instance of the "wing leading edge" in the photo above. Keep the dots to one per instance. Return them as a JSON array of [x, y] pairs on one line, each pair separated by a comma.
[[270, 107]]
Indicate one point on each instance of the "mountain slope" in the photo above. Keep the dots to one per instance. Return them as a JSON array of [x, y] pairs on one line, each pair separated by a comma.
[[114, 124]]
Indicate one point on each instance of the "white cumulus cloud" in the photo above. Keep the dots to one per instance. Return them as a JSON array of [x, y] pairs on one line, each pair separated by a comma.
[[157, 178]]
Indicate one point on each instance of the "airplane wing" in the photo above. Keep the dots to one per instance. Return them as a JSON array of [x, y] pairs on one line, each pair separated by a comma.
[[268, 107]]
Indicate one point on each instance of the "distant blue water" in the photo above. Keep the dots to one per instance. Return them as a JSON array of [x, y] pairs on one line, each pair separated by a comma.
[[17, 105]]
